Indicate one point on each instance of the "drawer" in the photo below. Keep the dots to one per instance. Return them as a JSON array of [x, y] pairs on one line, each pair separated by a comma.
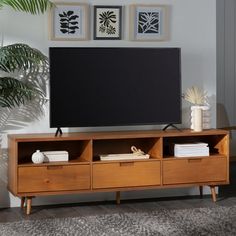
[[126, 174], [53, 178], [194, 170]]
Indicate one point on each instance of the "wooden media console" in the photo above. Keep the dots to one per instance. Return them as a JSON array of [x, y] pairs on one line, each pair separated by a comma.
[[85, 172]]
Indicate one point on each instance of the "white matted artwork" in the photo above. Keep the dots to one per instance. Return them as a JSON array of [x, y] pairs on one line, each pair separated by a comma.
[[149, 22], [69, 21], [107, 22]]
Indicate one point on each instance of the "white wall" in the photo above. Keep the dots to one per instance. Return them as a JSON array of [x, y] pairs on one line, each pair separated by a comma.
[[192, 27]]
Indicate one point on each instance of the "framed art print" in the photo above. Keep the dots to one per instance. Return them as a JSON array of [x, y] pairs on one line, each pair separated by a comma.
[[107, 22], [69, 21], [149, 22]]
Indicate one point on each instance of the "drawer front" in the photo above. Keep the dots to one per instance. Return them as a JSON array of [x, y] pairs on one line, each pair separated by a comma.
[[53, 178], [126, 174], [194, 170]]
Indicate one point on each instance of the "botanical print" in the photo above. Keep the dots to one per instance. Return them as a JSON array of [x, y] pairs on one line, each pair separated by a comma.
[[69, 21], [107, 22], [149, 22]]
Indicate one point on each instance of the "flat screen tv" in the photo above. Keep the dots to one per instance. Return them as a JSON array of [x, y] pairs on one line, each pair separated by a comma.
[[92, 87]]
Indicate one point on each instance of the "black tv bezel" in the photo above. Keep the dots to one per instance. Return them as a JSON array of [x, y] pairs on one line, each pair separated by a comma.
[[117, 124]]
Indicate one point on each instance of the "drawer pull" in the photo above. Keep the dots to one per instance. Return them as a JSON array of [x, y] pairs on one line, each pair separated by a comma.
[[47, 181], [126, 163], [194, 160], [54, 167]]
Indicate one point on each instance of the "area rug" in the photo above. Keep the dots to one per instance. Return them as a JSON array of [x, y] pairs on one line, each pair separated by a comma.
[[197, 221]]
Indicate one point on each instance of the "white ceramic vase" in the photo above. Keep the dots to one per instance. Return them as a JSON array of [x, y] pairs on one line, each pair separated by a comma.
[[197, 123], [206, 116], [37, 157]]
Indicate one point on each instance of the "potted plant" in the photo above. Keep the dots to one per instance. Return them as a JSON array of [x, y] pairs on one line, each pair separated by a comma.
[[23, 74], [23, 70]]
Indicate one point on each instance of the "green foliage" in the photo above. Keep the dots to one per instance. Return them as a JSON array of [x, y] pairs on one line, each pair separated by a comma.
[[14, 92], [27, 64], [31, 6], [20, 56], [23, 75]]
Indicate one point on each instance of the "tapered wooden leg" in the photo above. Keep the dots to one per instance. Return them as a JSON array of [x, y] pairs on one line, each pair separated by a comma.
[[118, 198], [201, 191], [213, 193], [22, 204], [28, 207]]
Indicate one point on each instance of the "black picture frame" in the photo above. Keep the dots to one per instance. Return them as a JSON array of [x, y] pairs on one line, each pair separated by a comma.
[[109, 28]]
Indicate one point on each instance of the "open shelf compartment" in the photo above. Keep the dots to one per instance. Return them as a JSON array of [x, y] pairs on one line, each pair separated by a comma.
[[217, 144], [151, 146], [79, 150]]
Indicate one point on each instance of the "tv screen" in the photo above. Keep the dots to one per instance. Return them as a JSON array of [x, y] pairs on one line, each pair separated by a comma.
[[114, 86]]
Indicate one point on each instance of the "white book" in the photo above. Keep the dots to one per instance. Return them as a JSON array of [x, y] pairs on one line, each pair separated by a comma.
[[190, 145], [192, 150], [52, 156], [192, 154], [55, 153]]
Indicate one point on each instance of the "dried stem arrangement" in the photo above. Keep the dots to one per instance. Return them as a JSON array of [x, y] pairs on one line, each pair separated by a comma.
[[195, 96]]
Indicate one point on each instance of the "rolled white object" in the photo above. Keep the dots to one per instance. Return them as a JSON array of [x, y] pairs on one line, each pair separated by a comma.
[[197, 119]]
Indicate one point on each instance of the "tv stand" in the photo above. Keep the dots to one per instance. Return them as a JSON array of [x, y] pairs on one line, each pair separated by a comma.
[[86, 173], [171, 125]]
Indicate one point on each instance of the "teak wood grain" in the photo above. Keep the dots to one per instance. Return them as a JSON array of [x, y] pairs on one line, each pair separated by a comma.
[[53, 178], [126, 174], [194, 170], [84, 172]]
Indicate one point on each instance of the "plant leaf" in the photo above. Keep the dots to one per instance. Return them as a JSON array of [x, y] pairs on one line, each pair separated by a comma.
[[30, 6], [20, 56], [73, 17], [14, 92]]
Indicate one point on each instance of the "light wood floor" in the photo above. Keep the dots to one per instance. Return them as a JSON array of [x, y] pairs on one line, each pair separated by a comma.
[[226, 197]]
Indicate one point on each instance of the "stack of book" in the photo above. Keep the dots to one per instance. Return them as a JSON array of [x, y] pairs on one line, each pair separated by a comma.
[[51, 156], [191, 150]]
